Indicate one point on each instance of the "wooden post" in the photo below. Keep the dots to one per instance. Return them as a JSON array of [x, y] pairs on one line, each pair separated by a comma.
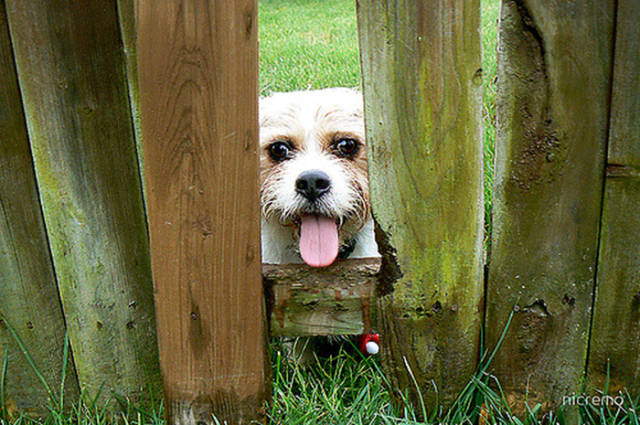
[[552, 106], [199, 101], [615, 335], [29, 299], [74, 88], [422, 87]]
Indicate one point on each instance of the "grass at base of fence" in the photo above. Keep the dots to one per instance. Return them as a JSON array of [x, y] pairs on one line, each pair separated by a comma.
[[344, 389]]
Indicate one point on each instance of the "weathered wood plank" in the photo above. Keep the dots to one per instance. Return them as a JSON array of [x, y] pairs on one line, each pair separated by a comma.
[[422, 87], [624, 123], [335, 300], [72, 76], [615, 338], [552, 104], [615, 335], [128, 32], [199, 106], [29, 299]]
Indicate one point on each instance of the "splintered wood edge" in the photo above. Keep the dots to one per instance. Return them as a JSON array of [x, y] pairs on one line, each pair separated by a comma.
[[334, 300]]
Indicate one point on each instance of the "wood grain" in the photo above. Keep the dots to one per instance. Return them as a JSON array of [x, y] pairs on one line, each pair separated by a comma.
[[29, 299], [554, 74], [422, 87], [71, 72], [336, 300], [615, 336], [197, 63]]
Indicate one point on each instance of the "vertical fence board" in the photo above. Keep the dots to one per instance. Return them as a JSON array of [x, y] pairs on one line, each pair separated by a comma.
[[127, 21], [422, 87], [72, 76], [615, 336], [197, 64], [28, 293], [624, 137], [552, 106]]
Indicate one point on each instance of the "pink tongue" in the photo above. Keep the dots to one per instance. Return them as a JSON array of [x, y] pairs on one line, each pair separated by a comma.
[[318, 240]]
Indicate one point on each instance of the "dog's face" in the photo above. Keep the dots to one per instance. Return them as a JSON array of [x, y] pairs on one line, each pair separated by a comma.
[[313, 168]]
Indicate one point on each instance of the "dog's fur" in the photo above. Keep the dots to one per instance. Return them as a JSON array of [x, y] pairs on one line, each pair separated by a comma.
[[311, 124]]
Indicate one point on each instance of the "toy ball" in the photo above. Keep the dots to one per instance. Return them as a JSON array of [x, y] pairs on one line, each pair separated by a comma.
[[369, 344]]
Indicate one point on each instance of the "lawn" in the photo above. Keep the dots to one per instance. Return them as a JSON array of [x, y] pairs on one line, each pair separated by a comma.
[[308, 44]]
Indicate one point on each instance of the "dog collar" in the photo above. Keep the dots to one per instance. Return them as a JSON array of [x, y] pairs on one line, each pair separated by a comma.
[[347, 248]]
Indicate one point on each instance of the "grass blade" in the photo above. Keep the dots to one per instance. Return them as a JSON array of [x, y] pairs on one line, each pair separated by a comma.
[[27, 356], [3, 377]]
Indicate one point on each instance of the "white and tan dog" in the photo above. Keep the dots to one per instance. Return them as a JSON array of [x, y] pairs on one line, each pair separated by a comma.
[[314, 183]]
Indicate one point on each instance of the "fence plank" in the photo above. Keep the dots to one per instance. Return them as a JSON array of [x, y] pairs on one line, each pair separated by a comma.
[[128, 32], [422, 87], [615, 336], [198, 97], [72, 76], [552, 105], [29, 299], [624, 137], [335, 300]]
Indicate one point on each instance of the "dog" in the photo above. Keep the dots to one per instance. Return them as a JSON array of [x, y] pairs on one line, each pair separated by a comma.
[[314, 189], [314, 182]]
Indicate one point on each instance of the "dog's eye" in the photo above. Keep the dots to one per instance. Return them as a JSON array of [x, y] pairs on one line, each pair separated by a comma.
[[279, 151], [346, 148]]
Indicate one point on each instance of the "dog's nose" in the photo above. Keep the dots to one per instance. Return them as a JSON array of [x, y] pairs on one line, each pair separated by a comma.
[[312, 184]]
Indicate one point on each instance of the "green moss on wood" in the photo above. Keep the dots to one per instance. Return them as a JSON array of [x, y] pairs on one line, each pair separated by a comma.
[[423, 121], [71, 70], [29, 301]]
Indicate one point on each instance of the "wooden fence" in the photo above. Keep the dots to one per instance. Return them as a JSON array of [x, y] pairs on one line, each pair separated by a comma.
[[75, 257]]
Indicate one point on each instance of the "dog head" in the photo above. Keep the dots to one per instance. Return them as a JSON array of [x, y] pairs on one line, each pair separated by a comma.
[[313, 168]]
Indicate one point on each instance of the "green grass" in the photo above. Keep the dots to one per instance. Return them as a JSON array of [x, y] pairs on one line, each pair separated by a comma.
[[490, 11], [308, 44], [343, 389]]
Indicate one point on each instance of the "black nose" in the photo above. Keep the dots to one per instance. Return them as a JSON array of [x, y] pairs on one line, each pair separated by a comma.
[[312, 184]]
